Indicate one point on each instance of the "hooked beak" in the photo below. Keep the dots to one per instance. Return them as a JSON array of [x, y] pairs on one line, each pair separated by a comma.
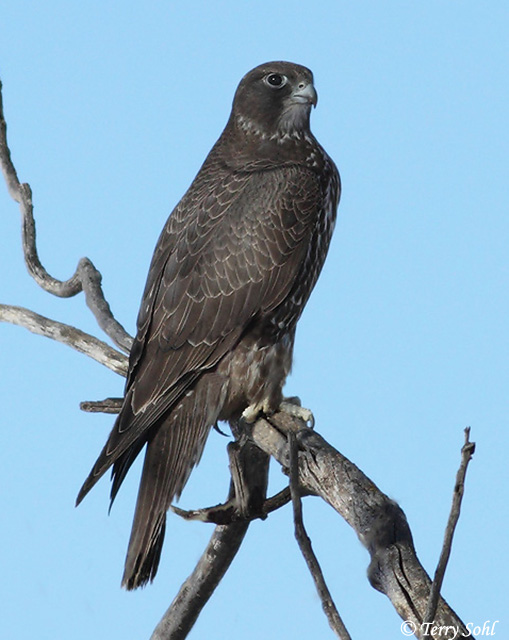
[[305, 95]]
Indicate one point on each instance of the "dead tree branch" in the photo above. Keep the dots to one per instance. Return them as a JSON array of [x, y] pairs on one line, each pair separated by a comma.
[[467, 452], [86, 277], [197, 589], [248, 489], [330, 609], [378, 521], [72, 337]]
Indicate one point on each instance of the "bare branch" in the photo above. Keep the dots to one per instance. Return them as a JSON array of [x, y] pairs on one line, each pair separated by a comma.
[[227, 512], [109, 405], [86, 277], [335, 621], [10, 175], [467, 451], [378, 521], [252, 470], [72, 337], [197, 589]]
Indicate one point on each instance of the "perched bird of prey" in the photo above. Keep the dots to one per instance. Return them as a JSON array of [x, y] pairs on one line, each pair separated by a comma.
[[232, 270]]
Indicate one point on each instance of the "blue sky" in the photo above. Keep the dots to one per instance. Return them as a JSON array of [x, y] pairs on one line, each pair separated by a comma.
[[111, 109]]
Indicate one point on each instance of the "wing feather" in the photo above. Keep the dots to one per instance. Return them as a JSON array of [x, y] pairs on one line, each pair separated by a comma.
[[231, 250]]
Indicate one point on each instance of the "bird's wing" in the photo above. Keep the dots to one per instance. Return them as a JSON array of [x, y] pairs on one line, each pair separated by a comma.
[[229, 253]]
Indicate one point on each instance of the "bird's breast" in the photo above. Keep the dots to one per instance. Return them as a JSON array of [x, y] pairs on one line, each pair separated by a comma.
[[256, 373]]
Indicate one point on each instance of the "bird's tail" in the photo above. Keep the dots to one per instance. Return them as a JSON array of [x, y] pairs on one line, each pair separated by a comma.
[[174, 449]]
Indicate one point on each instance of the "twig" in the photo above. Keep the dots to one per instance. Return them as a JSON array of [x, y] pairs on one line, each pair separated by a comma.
[[86, 277], [109, 405], [335, 621], [467, 451], [72, 337], [227, 512]]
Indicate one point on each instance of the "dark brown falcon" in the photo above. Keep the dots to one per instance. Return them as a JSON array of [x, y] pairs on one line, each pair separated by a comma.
[[232, 270]]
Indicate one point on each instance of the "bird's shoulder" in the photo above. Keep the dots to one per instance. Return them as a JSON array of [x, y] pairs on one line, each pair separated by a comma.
[[239, 229]]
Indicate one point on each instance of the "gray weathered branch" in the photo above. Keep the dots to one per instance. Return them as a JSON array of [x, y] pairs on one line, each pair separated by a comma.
[[201, 584], [86, 277], [328, 605], [467, 452], [248, 489], [378, 521], [72, 337]]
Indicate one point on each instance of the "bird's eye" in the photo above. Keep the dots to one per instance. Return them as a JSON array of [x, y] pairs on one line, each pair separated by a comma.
[[276, 80]]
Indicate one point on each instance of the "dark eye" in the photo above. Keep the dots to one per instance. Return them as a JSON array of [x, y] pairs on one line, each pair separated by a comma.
[[276, 80]]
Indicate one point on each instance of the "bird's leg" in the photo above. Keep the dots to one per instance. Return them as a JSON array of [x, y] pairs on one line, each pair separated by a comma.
[[249, 468]]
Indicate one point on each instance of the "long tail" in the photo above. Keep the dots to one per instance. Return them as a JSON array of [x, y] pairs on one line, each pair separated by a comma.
[[172, 452]]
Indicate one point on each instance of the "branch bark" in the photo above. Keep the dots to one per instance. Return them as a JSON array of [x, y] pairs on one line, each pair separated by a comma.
[[467, 452], [86, 278], [378, 521], [201, 584], [248, 489], [335, 621], [72, 337]]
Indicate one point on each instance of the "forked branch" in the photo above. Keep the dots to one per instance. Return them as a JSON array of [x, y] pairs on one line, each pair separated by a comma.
[[86, 277]]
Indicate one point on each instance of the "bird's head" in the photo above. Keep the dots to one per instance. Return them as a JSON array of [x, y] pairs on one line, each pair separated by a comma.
[[274, 100]]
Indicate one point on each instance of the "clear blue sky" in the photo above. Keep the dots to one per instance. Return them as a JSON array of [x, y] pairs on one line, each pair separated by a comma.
[[112, 108]]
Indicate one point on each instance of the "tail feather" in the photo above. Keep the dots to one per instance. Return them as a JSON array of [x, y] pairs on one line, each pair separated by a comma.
[[121, 466], [173, 449]]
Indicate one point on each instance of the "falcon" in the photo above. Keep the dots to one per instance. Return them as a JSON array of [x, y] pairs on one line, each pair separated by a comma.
[[231, 273]]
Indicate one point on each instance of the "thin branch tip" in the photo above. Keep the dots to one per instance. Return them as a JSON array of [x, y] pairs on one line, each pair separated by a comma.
[[335, 621], [467, 452]]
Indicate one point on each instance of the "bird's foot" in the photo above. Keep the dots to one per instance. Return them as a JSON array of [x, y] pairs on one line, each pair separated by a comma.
[[254, 411], [292, 407]]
